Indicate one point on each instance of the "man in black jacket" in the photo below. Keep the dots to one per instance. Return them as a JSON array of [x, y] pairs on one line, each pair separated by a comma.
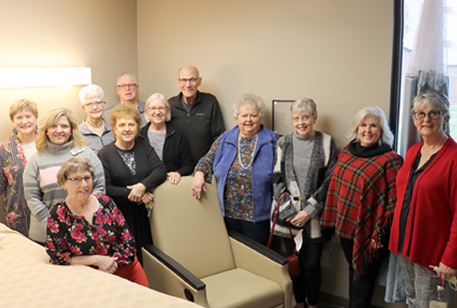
[[196, 114]]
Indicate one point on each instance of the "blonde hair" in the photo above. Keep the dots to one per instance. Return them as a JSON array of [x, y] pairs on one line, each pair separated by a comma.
[[372, 111], [51, 117], [23, 104]]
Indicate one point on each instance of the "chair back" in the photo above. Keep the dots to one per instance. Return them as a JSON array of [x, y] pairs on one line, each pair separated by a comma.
[[191, 231]]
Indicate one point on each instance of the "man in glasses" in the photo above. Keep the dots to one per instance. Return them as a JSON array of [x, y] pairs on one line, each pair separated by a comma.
[[195, 113], [127, 90]]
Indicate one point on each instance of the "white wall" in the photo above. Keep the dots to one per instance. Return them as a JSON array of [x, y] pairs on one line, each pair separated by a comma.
[[336, 52]]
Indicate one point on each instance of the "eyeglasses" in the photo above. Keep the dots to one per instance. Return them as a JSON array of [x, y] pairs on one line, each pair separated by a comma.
[[432, 115], [191, 80], [154, 109], [92, 105], [127, 85], [301, 119], [77, 180]]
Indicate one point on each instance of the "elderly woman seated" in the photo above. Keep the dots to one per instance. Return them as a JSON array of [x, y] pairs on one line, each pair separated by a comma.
[[242, 162], [168, 142], [88, 229]]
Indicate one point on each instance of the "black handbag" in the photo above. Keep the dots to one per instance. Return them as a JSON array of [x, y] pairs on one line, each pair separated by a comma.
[[294, 262]]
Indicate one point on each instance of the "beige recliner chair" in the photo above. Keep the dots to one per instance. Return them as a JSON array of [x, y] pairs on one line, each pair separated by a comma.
[[194, 257]]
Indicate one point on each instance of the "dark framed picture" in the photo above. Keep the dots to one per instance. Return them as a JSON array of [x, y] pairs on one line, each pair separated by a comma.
[[282, 118]]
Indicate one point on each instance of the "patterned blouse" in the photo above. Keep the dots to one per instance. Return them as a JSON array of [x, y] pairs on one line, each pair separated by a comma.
[[128, 156], [238, 196], [12, 165], [70, 235]]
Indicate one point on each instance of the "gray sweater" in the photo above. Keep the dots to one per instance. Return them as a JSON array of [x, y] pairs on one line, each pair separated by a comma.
[[321, 164], [40, 182]]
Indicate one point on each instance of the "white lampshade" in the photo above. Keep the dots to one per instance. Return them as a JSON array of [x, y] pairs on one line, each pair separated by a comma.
[[25, 77]]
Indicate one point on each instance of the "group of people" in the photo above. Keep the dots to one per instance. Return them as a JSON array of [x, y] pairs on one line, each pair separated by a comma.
[[85, 191], [364, 195]]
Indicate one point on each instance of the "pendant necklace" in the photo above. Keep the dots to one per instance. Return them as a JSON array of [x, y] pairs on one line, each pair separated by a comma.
[[95, 127], [239, 153]]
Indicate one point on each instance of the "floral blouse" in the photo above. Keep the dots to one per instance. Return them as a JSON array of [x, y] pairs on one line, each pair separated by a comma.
[[70, 235], [238, 195], [12, 165]]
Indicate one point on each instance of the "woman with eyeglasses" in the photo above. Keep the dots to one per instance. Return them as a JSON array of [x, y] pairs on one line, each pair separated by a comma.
[[132, 170], [424, 230], [168, 142], [303, 160], [95, 128], [58, 140], [87, 229]]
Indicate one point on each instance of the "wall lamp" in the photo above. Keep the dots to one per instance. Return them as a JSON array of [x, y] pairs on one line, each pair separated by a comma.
[[26, 77]]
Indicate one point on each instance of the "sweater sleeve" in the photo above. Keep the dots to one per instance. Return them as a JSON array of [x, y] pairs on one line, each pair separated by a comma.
[[185, 157], [107, 158], [316, 202], [286, 209], [56, 238], [159, 171], [32, 190], [449, 256], [205, 164]]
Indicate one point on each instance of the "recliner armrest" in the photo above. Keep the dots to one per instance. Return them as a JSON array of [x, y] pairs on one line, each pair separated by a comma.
[[267, 252], [177, 268]]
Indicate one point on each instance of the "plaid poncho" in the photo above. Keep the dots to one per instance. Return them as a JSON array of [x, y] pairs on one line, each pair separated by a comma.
[[361, 200]]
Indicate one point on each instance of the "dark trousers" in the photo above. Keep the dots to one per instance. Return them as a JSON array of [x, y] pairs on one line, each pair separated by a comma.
[[361, 288], [259, 231], [308, 283]]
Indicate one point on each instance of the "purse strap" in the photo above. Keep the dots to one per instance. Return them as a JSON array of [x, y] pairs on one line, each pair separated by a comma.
[[274, 224]]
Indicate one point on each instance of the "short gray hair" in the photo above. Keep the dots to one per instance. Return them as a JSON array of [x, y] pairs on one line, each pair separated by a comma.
[[303, 105], [124, 75], [436, 100], [249, 99], [372, 111], [91, 91], [154, 97]]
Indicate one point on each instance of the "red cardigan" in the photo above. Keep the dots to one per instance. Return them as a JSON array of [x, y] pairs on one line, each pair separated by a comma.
[[431, 229]]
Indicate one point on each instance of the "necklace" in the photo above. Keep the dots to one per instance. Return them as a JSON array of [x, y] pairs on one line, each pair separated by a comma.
[[239, 153], [95, 127]]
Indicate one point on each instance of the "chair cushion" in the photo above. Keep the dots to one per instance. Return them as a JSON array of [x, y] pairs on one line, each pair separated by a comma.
[[240, 288], [191, 231]]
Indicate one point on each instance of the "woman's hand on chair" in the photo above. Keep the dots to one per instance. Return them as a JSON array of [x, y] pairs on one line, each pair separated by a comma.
[[198, 185], [174, 177]]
